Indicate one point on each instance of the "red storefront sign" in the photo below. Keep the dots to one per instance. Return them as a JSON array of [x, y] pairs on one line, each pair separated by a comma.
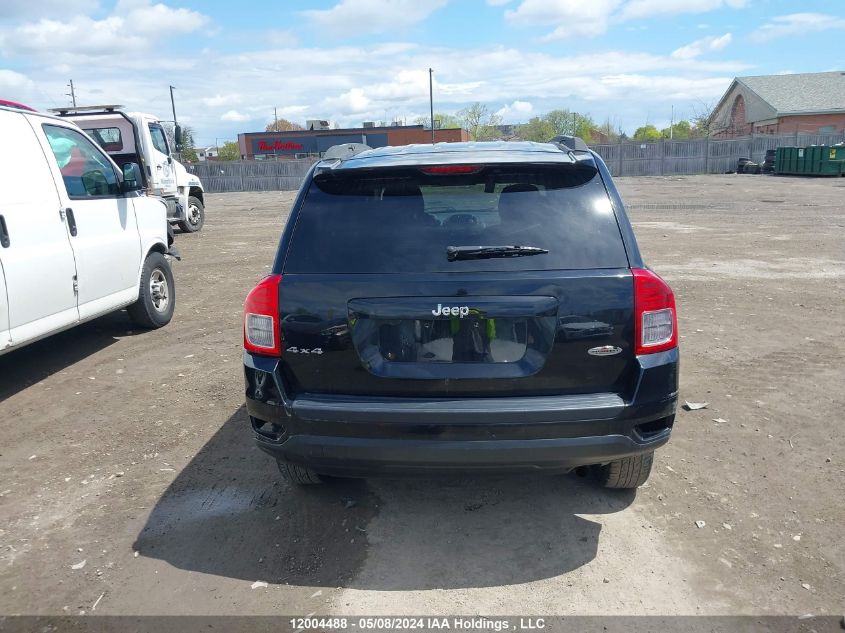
[[278, 146]]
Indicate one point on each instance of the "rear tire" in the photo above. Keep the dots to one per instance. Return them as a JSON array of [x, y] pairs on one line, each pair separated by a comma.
[[157, 294], [194, 216], [299, 475], [630, 472]]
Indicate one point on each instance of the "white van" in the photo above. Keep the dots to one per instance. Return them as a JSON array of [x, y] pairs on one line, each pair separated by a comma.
[[77, 238]]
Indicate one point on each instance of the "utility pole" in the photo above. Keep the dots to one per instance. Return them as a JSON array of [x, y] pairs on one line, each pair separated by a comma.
[[672, 124], [431, 100], [72, 93], [275, 120], [173, 106]]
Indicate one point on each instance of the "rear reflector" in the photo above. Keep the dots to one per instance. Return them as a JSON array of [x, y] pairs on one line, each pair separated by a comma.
[[261, 318], [437, 170], [655, 314]]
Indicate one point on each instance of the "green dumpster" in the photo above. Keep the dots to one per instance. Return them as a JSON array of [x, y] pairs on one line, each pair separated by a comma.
[[815, 160]]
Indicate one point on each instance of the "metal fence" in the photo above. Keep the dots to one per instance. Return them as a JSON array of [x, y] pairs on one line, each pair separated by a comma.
[[251, 175], [631, 158], [700, 156]]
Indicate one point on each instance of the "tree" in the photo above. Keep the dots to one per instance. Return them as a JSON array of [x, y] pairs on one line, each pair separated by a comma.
[[229, 151], [610, 131], [702, 120], [188, 151], [441, 118], [680, 130], [647, 133], [283, 125], [538, 129], [569, 123], [189, 154], [479, 122], [557, 123]]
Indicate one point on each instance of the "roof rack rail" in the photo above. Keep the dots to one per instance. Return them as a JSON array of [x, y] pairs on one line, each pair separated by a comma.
[[570, 143], [345, 150], [92, 108]]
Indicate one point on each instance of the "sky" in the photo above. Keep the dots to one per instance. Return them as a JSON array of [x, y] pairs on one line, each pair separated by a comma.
[[627, 61]]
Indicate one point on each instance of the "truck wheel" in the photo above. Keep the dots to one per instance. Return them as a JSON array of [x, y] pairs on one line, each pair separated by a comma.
[[300, 475], [157, 297], [194, 216], [630, 472]]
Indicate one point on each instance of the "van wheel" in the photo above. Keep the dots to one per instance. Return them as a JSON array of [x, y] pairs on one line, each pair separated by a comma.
[[630, 472], [300, 475], [157, 297], [194, 216]]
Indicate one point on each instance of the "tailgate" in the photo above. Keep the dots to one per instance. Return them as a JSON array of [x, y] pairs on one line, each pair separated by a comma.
[[339, 339]]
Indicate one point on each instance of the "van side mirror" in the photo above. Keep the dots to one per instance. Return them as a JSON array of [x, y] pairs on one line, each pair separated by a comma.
[[177, 137], [132, 178]]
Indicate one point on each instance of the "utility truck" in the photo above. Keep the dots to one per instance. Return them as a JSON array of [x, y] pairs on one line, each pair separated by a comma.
[[136, 137]]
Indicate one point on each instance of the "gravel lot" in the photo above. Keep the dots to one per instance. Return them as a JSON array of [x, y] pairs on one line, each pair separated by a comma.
[[130, 451]]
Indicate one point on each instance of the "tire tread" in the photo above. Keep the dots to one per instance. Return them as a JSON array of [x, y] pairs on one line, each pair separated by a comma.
[[300, 475], [142, 313], [629, 472]]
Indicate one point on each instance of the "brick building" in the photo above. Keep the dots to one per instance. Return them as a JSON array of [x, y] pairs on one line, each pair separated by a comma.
[[303, 143], [806, 103]]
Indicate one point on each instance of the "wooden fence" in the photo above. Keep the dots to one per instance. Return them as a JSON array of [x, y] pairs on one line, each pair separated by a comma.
[[251, 175], [631, 158]]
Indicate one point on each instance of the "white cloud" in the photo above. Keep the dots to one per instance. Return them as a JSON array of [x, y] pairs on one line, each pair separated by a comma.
[[797, 24], [27, 9], [11, 80], [518, 111], [16, 86], [498, 3], [704, 45], [133, 26], [223, 94], [222, 100], [573, 18], [234, 116], [646, 8], [158, 19], [357, 17], [352, 101]]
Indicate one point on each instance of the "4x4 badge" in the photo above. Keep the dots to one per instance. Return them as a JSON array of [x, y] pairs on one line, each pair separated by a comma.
[[604, 350]]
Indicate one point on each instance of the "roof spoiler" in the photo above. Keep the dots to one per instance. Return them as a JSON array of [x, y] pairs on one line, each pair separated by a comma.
[[570, 143], [345, 150]]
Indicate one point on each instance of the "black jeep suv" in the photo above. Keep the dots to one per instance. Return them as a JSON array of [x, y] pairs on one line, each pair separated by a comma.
[[461, 307]]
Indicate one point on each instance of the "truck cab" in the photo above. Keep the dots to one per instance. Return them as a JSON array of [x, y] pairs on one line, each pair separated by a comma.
[[137, 137]]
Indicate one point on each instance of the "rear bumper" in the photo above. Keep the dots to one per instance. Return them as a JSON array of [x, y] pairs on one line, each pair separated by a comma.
[[369, 436]]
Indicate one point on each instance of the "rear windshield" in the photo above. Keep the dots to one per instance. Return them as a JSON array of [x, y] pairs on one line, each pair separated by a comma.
[[403, 220], [106, 137]]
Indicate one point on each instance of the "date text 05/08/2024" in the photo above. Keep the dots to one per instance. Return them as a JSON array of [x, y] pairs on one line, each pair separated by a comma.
[[387, 623]]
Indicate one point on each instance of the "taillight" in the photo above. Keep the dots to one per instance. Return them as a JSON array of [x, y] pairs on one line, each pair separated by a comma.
[[655, 315], [261, 318], [445, 170]]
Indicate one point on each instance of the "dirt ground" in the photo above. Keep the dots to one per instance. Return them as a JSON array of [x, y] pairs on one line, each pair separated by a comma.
[[129, 479]]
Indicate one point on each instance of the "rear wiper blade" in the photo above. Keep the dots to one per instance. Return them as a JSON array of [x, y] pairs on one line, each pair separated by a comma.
[[455, 253]]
